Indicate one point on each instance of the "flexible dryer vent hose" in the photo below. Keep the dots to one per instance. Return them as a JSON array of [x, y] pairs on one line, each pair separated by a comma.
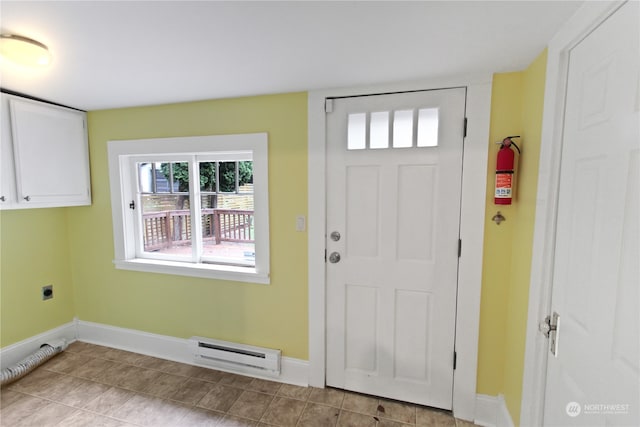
[[28, 364]]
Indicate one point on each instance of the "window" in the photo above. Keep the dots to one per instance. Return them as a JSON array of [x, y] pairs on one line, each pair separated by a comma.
[[195, 206], [405, 128]]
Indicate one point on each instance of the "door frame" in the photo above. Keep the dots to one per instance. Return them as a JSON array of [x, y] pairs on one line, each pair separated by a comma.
[[588, 17], [474, 178]]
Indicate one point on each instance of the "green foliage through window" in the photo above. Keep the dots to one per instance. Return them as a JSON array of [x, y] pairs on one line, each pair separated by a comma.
[[226, 170]]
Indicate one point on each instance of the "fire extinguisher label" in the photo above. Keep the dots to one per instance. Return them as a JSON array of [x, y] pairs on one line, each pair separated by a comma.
[[503, 185]]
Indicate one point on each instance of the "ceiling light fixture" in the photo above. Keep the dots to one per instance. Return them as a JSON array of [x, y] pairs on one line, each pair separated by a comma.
[[24, 51]]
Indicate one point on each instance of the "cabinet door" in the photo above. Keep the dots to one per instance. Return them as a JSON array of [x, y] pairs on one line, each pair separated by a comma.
[[50, 152], [7, 176]]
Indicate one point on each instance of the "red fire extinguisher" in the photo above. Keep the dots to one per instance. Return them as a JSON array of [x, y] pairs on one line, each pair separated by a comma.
[[504, 171]]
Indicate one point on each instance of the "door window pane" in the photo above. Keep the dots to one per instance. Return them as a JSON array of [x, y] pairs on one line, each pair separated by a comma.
[[379, 130], [403, 128], [428, 127], [357, 131]]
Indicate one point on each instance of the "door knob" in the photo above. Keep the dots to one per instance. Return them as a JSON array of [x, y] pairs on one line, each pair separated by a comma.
[[334, 257]]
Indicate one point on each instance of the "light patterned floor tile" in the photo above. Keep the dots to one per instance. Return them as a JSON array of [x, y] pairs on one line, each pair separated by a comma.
[[327, 396], [96, 386], [220, 398], [264, 386], [294, 392], [361, 404], [108, 402], [426, 417], [48, 415], [85, 419], [20, 409], [235, 380], [397, 411], [316, 415], [66, 362], [8, 396], [191, 391], [251, 405], [353, 419], [283, 412], [232, 421]]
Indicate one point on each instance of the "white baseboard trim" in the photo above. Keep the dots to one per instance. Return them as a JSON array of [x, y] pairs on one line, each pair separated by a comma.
[[12, 354], [293, 371], [491, 411]]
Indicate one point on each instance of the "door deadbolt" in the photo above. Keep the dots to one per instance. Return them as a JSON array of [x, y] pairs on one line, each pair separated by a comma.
[[335, 236], [334, 257]]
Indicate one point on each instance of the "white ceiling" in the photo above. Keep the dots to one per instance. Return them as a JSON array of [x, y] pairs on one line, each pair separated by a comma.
[[128, 53]]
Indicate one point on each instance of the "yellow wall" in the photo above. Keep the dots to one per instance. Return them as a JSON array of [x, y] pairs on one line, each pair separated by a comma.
[[273, 316], [524, 212], [56, 245], [506, 119], [34, 252], [517, 105]]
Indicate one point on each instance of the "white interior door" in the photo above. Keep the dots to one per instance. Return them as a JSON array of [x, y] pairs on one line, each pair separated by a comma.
[[593, 379], [394, 172]]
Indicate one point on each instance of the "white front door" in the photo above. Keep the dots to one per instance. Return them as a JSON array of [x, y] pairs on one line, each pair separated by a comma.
[[394, 171], [594, 377]]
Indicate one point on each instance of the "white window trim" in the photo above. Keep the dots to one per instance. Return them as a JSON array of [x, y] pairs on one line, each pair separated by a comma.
[[120, 154]]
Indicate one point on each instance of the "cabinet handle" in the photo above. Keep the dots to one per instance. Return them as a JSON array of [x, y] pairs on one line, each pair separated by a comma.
[[27, 198]]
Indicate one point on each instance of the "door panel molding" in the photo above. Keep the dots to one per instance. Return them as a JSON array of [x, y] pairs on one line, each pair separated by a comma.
[[583, 22], [471, 227]]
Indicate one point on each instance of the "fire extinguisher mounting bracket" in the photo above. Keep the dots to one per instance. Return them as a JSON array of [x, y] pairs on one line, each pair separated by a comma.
[[498, 218]]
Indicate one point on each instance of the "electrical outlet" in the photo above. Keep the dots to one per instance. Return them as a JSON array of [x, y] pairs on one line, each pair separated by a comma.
[[47, 292]]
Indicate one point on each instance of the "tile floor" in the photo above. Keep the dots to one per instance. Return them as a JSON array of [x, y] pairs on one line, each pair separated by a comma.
[[90, 385]]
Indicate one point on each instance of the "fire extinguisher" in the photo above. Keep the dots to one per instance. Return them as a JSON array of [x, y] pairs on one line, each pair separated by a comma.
[[504, 171]]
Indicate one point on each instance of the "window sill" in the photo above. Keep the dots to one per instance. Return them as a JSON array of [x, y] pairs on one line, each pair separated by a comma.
[[206, 271]]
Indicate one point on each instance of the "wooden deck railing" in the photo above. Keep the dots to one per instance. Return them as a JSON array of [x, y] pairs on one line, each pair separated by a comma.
[[173, 228]]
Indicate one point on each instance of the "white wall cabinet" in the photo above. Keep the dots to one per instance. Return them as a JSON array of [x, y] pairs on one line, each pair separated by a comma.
[[44, 155]]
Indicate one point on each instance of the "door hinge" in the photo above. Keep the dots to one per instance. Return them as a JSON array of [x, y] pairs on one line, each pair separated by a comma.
[[132, 205], [455, 360], [464, 131], [328, 105], [459, 248]]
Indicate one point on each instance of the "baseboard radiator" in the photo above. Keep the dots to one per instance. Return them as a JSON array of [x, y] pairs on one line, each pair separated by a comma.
[[235, 357]]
